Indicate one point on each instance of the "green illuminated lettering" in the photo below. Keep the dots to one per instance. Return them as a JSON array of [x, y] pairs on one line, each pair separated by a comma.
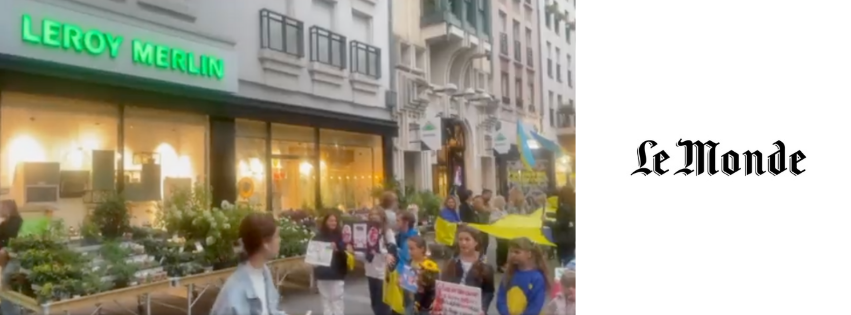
[[50, 33], [178, 60], [217, 68], [27, 30], [204, 66], [193, 64], [114, 43], [94, 42], [162, 57], [143, 53], [71, 37]]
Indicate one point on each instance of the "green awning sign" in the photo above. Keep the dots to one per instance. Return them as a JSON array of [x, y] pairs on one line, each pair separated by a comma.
[[71, 38]]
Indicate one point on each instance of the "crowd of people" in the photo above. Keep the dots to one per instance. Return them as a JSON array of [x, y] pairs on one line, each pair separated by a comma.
[[525, 287]]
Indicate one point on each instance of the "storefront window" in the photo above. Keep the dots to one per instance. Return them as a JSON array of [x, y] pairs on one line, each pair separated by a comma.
[[251, 163], [164, 151], [353, 168], [293, 172], [75, 141]]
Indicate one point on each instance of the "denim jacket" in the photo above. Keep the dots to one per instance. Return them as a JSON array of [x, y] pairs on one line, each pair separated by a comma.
[[238, 296]]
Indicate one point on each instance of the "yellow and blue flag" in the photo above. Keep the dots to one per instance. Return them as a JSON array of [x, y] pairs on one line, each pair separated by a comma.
[[523, 146], [446, 226]]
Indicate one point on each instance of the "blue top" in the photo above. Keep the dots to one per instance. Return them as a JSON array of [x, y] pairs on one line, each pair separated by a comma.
[[524, 295], [403, 256], [238, 296], [450, 215]]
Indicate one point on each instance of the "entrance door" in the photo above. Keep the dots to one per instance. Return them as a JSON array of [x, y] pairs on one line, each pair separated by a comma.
[[293, 183]]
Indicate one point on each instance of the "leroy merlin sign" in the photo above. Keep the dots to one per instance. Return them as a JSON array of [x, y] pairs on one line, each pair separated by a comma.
[[46, 32]]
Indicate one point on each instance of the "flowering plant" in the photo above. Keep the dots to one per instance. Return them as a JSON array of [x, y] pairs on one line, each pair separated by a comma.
[[294, 237]]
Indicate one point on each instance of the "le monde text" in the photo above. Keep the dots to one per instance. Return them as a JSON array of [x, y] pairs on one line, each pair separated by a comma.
[[730, 161]]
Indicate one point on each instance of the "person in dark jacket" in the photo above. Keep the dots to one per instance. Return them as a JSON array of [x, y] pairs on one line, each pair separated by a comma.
[[330, 280], [468, 215], [468, 268], [564, 229], [9, 229]]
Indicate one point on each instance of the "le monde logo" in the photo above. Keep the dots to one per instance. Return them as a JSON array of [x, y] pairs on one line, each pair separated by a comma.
[[731, 162]]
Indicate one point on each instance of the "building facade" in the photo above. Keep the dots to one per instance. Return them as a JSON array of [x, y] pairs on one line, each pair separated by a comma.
[[558, 86], [277, 104], [446, 108]]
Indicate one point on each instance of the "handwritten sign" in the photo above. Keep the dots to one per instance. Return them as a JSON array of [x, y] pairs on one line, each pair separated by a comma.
[[319, 253], [457, 299]]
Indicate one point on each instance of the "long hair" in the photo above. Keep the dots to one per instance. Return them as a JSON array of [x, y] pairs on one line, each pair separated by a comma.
[[477, 271], [325, 231], [453, 198], [383, 216], [420, 242], [537, 256]]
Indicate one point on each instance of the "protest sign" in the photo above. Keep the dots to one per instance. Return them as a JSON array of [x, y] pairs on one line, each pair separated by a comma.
[[457, 299], [319, 253], [408, 279]]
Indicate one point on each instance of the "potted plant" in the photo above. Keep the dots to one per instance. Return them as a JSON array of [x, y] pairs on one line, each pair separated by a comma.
[[124, 274], [45, 293], [112, 217]]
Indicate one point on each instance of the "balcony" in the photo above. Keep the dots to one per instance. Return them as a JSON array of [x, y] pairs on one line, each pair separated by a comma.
[[451, 17], [281, 33], [327, 47], [530, 58], [566, 121], [517, 52], [503, 44], [365, 59]]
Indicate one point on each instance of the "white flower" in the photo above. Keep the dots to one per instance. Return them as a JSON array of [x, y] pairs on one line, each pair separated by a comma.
[[226, 205], [211, 240], [226, 226]]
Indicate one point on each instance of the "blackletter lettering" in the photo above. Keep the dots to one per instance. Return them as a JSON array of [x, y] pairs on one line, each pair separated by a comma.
[[776, 161], [750, 157], [730, 156], [658, 158], [690, 148], [793, 162]]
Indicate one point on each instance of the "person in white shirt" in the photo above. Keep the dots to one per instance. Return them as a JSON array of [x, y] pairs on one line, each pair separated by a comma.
[[251, 289], [375, 264]]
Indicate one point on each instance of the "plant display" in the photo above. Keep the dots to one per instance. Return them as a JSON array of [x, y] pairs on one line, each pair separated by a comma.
[[111, 217], [89, 231], [294, 238], [190, 215]]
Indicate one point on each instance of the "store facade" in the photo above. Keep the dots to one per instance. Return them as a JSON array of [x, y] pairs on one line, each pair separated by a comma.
[[89, 105]]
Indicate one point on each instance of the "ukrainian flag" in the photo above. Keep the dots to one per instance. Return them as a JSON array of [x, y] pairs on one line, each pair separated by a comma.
[[516, 226], [523, 146], [548, 144], [445, 228]]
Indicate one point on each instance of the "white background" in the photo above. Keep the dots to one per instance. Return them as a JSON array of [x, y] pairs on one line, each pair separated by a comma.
[[743, 73]]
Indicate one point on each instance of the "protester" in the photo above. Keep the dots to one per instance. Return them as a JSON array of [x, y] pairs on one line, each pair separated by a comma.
[[564, 303], [390, 204], [482, 217], [330, 280], [564, 229], [468, 268], [465, 210], [417, 249], [497, 212], [450, 210], [487, 195], [426, 287], [375, 263], [251, 282], [9, 229], [524, 287], [517, 201], [392, 290]]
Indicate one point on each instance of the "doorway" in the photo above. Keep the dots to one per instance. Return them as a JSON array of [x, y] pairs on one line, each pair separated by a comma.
[[293, 182]]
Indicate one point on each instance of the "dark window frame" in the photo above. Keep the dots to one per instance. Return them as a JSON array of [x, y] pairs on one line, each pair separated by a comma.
[[268, 19], [355, 49], [317, 33]]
